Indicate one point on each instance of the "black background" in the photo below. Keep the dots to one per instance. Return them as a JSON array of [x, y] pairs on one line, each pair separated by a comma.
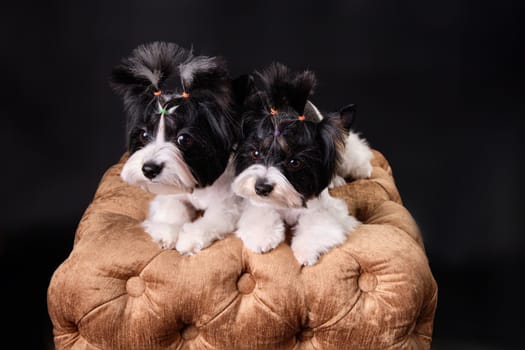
[[439, 90]]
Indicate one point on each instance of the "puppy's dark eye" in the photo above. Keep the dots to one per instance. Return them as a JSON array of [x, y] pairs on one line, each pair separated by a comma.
[[184, 141], [256, 155], [143, 137], [294, 164]]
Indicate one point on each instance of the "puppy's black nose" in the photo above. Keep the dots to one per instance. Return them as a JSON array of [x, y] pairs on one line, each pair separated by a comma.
[[263, 188], [151, 170]]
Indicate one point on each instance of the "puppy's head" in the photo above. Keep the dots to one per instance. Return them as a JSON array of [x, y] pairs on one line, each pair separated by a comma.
[[286, 156], [180, 132]]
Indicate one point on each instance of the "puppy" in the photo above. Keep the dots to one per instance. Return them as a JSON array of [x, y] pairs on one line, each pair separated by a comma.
[[286, 161], [180, 134]]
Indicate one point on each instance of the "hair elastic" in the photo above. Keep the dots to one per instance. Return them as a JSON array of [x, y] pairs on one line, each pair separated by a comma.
[[157, 93], [273, 111], [163, 111], [301, 118], [185, 94]]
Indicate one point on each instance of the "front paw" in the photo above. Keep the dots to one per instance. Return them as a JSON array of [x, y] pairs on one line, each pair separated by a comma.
[[306, 257], [261, 241], [304, 254], [362, 171], [337, 181], [164, 234], [191, 240]]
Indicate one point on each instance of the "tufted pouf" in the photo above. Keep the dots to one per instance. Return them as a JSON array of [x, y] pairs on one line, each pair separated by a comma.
[[119, 290]]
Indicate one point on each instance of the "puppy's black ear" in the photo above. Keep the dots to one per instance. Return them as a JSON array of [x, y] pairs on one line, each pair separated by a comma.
[[347, 116], [144, 72]]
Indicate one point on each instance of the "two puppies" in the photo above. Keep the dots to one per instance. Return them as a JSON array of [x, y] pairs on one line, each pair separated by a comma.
[[248, 158]]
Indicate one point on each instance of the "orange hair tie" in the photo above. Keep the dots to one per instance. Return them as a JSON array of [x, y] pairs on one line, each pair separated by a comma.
[[157, 93], [301, 118], [185, 94], [273, 111]]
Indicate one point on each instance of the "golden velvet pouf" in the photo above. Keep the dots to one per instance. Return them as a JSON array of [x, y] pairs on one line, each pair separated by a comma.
[[119, 290]]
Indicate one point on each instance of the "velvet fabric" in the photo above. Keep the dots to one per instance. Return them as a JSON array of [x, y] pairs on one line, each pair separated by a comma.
[[119, 290]]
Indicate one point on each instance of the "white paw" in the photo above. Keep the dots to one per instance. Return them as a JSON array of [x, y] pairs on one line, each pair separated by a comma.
[[356, 158], [261, 241], [188, 244], [316, 234], [305, 254], [337, 181], [305, 250], [192, 239], [362, 171], [163, 234]]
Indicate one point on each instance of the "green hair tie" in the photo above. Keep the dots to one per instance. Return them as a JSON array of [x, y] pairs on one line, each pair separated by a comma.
[[163, 111]]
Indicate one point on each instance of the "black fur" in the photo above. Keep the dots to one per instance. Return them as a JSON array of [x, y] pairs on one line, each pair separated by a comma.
[[282, 140], [286, 89], [347, 116], [205, 117]]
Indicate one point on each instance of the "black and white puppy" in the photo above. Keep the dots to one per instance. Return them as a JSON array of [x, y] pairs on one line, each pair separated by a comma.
[[287, 158], [180, 133]]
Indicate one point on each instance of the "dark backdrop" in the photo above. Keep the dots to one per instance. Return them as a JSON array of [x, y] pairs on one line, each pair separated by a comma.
[[439, 92]]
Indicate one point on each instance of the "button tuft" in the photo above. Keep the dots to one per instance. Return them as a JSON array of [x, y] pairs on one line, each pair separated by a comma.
[[135, 286], [367, 282], [190, 332], [305, 334], [246, 284]]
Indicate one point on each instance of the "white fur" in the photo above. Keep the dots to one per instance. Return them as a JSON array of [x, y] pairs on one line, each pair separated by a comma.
[[355, 160], [320, 226], [323, 225], [167, 214], [283, 195], [176, 177], [170, 217], [221, 213], [171, 110], [169, 220], [260, 228]]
